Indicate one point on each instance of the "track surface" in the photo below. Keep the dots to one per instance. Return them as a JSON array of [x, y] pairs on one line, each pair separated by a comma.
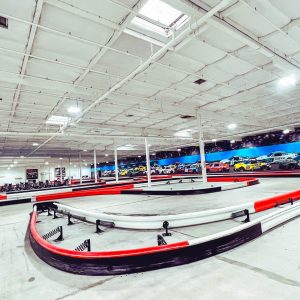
[[267, 268]]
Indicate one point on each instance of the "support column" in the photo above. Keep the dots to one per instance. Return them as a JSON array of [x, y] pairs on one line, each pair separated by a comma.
[[148, 163], [61, 175], [80, 170], [95, 166], [201, 148], [116, 165], [69, 170]]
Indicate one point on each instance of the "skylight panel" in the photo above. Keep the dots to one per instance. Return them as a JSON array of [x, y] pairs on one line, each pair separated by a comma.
[[160, 17], [160, 11], [149, 26]]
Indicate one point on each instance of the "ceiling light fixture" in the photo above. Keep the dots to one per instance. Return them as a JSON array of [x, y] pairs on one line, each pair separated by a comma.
[[35, 144], [214, 140], [186, 133], [22, 156], [106, 154], [286, 131], [231, 126], [58, 120], [127, 147], [287, 81], [232, 141], [74, 110], [46, 163]]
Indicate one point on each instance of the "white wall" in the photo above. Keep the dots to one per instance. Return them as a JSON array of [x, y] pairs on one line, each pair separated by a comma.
[[18, 174], [14, 175]]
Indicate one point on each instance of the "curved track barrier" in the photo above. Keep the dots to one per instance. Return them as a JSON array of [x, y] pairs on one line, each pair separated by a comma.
[[271, 202], [101, 191], [181, 220], [156, 221], [176, 190], [150, 258], [294, 173]]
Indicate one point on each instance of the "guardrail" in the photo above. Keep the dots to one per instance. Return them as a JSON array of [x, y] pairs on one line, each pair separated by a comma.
[[149, 258]]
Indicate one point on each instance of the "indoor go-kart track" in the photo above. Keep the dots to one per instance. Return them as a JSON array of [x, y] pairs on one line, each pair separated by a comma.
[[250, 271]]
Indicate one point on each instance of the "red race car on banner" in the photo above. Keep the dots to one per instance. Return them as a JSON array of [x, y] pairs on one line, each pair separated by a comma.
[[217, 167]]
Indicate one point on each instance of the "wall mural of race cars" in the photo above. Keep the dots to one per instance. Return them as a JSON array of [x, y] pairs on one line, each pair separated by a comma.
[[252, 159]]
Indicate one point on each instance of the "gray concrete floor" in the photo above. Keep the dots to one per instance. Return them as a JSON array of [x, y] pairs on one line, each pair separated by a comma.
[[266, 268]]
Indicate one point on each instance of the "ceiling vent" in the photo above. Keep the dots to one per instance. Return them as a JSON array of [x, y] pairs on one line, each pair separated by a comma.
[[186, 116], [3, 22], [199, 81]]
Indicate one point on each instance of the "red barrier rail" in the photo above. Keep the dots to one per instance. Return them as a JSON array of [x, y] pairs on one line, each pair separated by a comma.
[[102, 191], [268, 203], [105, 254], [3, 197], [228, 179]]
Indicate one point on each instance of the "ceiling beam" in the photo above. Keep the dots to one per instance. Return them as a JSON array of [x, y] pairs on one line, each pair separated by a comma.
[[36, 18], [238, 32]]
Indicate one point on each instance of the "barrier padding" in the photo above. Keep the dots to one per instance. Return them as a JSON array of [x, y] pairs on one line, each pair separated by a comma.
[[135, 260], [101, 191], [89, 255], [252, 182], [77, 181], [271, 202], [227, 179], [17, 201], [247, 182], [173, 192], [3, 197]]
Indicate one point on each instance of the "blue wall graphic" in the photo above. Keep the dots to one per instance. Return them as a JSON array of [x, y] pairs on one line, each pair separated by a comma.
[[217, 156]]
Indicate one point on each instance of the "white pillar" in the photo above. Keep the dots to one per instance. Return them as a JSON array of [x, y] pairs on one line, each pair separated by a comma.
[[201, 148], [80, 170], [61, 175], [69, 169], [148, 162], [95, 166], [116, 165]]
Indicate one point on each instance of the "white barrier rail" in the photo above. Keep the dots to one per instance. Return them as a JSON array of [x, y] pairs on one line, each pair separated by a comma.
[[156, 221]]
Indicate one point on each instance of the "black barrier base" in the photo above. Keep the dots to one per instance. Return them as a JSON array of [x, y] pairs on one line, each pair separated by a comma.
[[10, 202], [173, 192], [147, 261]]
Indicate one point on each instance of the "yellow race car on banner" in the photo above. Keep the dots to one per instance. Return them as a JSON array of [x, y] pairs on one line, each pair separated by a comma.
[[251, 165]]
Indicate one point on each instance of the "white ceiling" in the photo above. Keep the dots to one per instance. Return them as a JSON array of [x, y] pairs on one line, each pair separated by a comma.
[[129, 85]]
